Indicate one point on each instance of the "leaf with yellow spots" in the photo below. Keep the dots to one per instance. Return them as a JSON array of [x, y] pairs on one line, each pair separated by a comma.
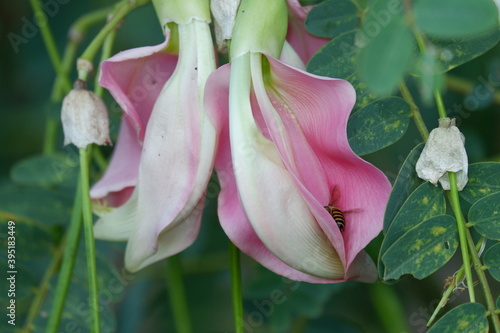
[[485, 216], [378, 125], [423, 249], [338, 59], [492, 261], [465, 318], [451, 53], [425, 202], [406, 182], [484, 179]]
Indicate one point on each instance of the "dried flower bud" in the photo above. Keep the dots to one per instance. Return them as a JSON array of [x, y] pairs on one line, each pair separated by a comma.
[[224, 13], [84, 117], [444, 152]]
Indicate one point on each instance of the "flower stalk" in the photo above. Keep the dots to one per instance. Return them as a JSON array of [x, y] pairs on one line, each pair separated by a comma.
[[50, 43], [177, 295], [234, 257], [455, 203], [68, 263], [415, 112], [89, 242]]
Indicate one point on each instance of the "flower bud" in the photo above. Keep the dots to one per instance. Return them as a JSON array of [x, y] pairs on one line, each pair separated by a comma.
[[444, 152], [84, 117]]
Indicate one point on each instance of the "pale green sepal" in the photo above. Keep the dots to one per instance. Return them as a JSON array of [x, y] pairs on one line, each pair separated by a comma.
[[260, 26], [182, 11]]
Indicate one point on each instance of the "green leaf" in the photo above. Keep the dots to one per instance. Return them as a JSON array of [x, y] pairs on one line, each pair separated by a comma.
[[451, 53], [338, 59], [406, 182], [387, 56], [378, 125], [31, 240], [332, 18], [465, 318], [46, 170], [484, 179], [50, 207], [424, 202], [485, 216], [455, 18], [492, 261], [498, 302], [423, 249]]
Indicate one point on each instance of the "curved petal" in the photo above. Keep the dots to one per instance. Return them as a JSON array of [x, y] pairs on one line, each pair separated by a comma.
[[135, 78], [231, 213], [168, 243], [123, 169], [272, 202], [179, 146], [303, 42], [317, 125]]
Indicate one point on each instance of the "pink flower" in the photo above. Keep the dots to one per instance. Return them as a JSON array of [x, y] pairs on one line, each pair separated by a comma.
[[134, 78], [162, 216], [282, 157]]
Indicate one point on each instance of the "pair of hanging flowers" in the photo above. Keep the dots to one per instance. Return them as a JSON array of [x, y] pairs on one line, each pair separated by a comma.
[[275, 134]]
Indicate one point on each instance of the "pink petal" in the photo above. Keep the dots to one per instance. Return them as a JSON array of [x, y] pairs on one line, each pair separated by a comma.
[[314, 112], [169, 242], [231, 213], [303, 42], [179, 147], [135, 78], [122, 172]]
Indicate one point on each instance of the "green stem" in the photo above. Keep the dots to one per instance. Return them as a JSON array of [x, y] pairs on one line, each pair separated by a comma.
[[107, 50], [389, 308], [50, 44], [458, 277], [68, 263], [490, 302], [440, 104], [455, 203], [49, 141], [60, 88], [444, 299], [175, 287], [42, 290], [415, 112], [89, 241], [123, 9], [234, 257]]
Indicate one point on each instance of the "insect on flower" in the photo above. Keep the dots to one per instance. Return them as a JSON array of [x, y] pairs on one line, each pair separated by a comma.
[[337, 215], [335, 212]]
